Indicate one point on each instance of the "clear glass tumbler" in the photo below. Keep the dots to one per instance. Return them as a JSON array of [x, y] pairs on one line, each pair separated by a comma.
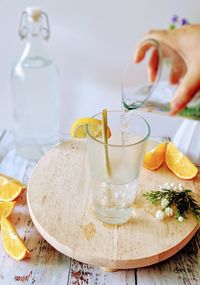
[[115, 165], [138, 86]]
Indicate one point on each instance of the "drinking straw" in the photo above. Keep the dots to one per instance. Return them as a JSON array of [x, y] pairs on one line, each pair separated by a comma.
[[105, 141]]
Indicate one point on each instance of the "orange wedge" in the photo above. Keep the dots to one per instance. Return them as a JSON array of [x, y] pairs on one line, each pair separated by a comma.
[[10, 188], [6, 208], [12, 243], [154, 158], [179, 164]]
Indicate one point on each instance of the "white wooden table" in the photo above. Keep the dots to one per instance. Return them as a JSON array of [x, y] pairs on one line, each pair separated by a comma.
[[47, 266]]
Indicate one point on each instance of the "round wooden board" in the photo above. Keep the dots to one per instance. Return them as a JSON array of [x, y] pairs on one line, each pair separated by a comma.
[[59, 201]]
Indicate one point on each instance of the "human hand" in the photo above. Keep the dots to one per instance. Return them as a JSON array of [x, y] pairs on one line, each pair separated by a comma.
[[182, 47]]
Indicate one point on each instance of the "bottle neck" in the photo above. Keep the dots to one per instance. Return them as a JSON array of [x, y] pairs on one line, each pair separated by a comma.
[[34, 47], [34, 30]]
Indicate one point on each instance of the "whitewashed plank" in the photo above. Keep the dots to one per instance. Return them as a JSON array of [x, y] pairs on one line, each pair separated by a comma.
[[84, 274], [46, 266], [2, 133], [6, 143], [181, 269]]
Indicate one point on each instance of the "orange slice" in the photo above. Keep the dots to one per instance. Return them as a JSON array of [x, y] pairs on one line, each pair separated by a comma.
[[179, 164], [154, 158], [6, 208], [10, 188], [12, 243]]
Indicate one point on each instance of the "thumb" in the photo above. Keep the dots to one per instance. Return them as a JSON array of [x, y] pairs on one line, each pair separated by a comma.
[[186, 91]]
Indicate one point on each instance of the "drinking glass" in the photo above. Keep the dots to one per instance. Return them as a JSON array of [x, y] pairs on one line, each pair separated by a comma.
[[115, 165], [138, 89]]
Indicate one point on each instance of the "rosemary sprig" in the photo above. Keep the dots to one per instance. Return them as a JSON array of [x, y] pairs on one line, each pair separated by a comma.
[[105, 140], [183, 201]]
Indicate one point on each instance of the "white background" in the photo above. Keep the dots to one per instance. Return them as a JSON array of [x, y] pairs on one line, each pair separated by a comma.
[[91, 41]]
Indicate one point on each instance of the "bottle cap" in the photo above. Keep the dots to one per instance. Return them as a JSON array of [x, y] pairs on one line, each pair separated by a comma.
[[37, 19], [34, 13]]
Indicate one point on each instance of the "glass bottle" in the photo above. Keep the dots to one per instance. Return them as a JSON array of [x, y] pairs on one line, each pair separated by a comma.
[[35, 89]]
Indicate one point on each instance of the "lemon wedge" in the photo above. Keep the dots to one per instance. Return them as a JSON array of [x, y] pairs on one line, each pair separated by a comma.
[[12, 243], [78, 128], [6, 208], [10, 188]]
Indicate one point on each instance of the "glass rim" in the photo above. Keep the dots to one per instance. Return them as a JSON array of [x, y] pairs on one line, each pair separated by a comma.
[[120, 145]]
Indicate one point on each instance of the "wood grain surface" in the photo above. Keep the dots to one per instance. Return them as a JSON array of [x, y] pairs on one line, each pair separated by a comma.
[[59, 199]]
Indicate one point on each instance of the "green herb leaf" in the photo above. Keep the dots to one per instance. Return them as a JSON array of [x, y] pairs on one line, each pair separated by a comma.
[[184, 201]]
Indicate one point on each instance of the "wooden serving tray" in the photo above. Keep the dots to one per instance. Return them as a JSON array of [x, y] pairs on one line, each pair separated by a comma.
[[59, 201]]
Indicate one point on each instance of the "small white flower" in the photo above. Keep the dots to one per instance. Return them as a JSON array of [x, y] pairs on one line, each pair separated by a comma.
[[164, 202], [172, 185], [175, 188], [168, 187], [169, 211], [180, 188], [160, 215], [180, 219]]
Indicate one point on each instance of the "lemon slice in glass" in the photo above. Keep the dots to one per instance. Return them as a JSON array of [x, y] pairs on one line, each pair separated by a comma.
[[78, 128]]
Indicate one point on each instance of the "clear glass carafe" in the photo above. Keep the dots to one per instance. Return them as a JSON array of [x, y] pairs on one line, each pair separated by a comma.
[[140, 91]]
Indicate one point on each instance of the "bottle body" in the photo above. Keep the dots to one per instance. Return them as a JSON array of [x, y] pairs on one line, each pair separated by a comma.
[[35, 89]]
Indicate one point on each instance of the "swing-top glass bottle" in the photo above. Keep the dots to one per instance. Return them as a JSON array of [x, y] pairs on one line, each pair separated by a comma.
[[35, 89]]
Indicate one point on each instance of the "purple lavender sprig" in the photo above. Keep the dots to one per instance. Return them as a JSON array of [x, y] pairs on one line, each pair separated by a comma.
[[184, 21], [176, 21]]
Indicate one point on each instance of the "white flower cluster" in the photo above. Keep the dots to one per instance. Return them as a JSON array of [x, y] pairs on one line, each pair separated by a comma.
[[168, 211], [160, 215], [172, 186]]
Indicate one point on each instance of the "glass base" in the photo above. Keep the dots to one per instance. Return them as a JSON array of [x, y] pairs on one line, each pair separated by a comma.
[[117, 220]]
